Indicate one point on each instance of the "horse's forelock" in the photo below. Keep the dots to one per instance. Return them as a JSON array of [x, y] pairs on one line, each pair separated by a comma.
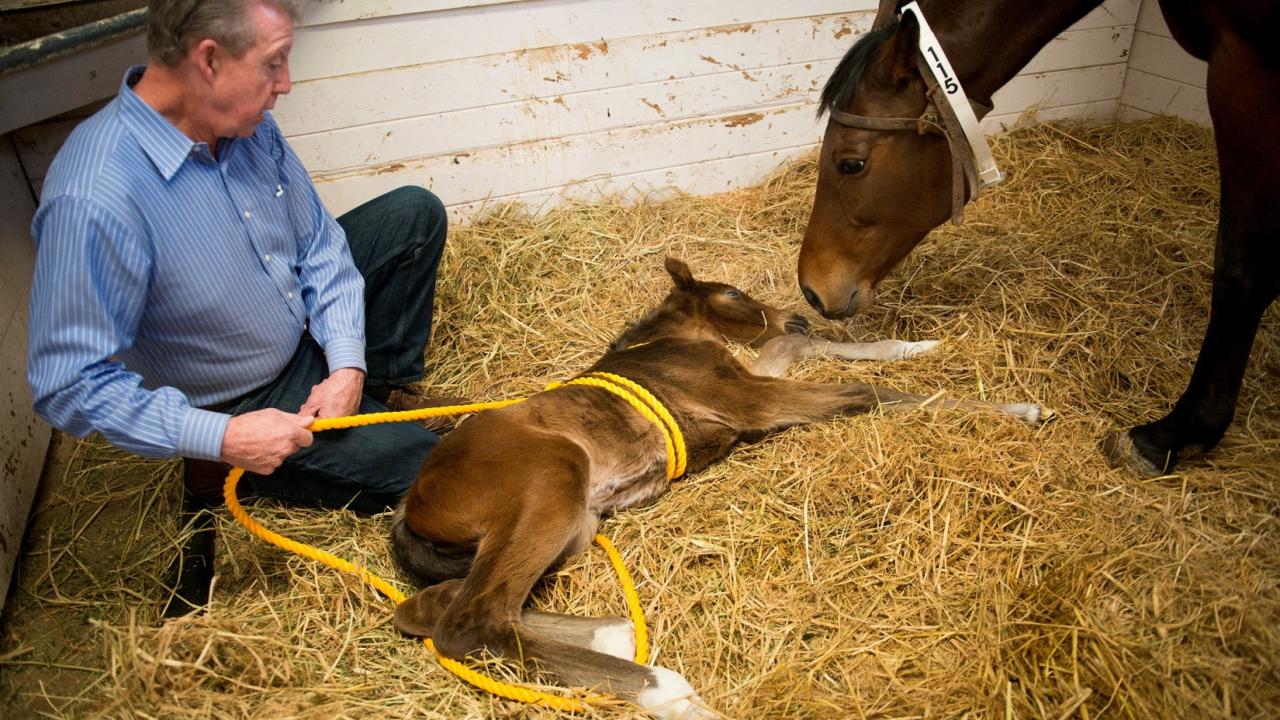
[[844, 81]]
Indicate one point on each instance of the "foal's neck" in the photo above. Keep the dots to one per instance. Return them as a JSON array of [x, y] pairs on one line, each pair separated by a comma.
[[675, 317], [989, 41]]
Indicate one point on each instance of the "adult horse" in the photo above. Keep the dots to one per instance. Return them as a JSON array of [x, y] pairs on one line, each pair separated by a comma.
[[895, 164]]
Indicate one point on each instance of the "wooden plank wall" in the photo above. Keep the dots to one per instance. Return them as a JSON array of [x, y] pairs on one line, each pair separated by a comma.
[[534, 101], [486, 100], [23, 438], [1163, 78]]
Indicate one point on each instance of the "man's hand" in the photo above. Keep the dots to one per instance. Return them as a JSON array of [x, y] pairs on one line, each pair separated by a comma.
[[260, 440], [337, 395]]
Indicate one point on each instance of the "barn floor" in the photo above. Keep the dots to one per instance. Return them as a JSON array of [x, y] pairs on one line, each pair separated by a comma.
[[935, 564]]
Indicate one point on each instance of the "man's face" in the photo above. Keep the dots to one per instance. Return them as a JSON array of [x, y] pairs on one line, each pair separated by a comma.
[[247, 86]]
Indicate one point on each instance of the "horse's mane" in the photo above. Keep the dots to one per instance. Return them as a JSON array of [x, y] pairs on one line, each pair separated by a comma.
[[843, 83]]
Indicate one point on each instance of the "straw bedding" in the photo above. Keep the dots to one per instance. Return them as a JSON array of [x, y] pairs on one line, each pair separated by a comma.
[[935, 564]]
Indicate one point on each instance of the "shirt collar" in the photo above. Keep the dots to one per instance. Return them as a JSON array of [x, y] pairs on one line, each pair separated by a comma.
[[167, 146]]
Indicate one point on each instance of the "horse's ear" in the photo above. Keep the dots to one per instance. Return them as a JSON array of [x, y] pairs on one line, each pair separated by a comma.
[[679, 272], [888, 10], [897, 64]]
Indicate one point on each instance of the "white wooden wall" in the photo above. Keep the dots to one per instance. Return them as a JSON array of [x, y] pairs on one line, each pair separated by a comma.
[[1162, 79], [536, 101], [486, 100]]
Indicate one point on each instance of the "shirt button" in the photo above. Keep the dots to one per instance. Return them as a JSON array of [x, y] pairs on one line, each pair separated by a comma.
[[266, 258], [247, 214], [290, 295]]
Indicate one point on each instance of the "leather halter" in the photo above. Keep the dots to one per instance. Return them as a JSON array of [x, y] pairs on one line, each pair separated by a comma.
[[938, 117]]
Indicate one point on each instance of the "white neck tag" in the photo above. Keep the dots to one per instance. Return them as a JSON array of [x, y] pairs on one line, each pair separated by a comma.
[[931, 49]]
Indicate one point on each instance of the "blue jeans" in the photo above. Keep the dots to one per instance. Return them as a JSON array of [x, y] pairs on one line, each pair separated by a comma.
[[396, 241]]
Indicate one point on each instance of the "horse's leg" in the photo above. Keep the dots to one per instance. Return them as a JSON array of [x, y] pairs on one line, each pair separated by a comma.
[[1244, 101], [781, 353]]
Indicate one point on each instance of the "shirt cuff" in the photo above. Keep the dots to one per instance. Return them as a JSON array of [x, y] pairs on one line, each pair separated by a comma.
[[202, 432], [345, 353]]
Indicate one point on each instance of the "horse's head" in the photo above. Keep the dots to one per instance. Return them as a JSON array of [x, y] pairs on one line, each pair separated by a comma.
[[879, 191], [729, 311]]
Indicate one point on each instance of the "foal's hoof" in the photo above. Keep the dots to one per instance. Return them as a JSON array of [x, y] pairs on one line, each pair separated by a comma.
[[671, 697], [920, 347], [411, 616], [1029, 413], [1119, 449]]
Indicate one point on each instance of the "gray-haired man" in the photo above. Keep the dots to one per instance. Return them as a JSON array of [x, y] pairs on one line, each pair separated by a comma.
[[192, 295]]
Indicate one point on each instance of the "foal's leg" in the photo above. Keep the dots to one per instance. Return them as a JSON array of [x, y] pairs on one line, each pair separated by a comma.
[[785, 403], [782, 352], [782, 403], [614, 636], [485, 612]]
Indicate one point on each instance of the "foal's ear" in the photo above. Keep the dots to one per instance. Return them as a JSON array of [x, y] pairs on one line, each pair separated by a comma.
[[680, 273]]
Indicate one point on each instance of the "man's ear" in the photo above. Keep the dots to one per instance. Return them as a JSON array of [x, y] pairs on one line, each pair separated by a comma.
[[679, 273], [204, 55]]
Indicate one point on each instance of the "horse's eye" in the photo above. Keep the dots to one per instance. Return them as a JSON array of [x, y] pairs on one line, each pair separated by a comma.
[[732, 293], [851, 167]]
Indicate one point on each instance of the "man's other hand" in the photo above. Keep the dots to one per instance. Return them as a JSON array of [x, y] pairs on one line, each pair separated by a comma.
[[337, 395], [260, 440]]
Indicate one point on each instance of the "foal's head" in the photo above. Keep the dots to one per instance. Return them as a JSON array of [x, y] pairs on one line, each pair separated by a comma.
[[697, 308]]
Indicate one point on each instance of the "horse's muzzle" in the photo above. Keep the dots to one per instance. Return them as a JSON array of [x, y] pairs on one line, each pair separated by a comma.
[[849, 308]]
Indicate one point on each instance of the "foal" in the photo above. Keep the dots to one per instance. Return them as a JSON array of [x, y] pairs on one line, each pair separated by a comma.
[[513, 492]]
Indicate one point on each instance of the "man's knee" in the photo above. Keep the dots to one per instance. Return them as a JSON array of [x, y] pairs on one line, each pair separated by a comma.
[[424, 209]]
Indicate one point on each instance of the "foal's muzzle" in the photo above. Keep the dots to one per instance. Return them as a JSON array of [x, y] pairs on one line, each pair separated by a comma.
[[797, 325]]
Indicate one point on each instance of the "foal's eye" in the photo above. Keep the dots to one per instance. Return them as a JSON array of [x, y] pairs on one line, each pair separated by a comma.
[[851, 167], [732, 293]]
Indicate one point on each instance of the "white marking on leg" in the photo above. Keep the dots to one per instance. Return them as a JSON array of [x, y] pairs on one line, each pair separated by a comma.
[[671, 697], [616, 639], [882, 350]]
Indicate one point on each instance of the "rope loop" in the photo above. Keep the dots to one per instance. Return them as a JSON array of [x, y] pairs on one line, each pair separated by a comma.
[[635, 395]]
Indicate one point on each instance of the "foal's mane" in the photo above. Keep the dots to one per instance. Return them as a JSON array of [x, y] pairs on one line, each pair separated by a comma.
[[843, 83]]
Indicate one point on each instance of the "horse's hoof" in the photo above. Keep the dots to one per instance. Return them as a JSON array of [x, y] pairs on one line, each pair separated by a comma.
[[1121, 452]]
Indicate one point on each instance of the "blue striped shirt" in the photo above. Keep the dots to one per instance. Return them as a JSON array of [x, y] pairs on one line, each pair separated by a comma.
[[167, 279]]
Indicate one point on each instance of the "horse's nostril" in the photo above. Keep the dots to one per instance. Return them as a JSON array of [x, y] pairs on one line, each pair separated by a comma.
[[812, 298], [853, 301]]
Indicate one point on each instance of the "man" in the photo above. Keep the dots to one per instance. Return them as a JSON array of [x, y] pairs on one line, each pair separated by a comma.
[[193, 297]]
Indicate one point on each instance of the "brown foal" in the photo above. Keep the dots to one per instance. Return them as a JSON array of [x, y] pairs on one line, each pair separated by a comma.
[[511, 493]]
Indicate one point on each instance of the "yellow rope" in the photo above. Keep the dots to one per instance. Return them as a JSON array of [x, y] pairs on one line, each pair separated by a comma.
[[635, 395]]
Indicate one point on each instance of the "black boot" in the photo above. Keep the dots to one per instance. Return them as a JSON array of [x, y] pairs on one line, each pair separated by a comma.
[[192, 571]]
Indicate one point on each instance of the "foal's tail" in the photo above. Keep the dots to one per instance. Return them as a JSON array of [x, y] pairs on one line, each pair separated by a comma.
[[424, 562]]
